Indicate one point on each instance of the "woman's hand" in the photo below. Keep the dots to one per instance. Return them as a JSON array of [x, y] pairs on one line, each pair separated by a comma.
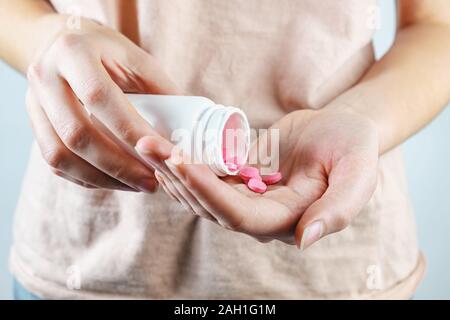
[[328, 159], [92, 67]]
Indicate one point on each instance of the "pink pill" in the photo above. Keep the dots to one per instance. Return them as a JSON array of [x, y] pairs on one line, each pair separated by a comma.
[[248, 173], [272, 178], [256, 185]]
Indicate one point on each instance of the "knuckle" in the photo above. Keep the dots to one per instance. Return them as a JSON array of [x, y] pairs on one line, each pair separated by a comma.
[[55, 158], [36, 71], [93, 92], [68, 42], [127, 132], [139, 59], [76, 137]]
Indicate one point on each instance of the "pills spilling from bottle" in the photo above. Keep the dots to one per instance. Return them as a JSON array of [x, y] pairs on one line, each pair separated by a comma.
[[257, 183], [273, 178], [248, 173]]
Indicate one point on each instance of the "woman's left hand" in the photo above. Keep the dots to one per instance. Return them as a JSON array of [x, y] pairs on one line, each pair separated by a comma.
[[328, 159]]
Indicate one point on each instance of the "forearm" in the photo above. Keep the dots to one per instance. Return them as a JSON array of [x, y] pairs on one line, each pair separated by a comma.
[[25, 25], [406, 89]]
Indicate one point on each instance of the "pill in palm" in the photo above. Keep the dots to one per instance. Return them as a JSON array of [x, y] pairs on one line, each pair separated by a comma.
[[248, 173], [272, 178], [256, 185]]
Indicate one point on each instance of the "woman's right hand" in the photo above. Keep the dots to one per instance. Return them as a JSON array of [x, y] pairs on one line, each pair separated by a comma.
[[91, 67]]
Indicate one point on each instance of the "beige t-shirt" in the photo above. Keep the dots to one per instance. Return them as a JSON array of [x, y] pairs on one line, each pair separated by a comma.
[[268, 57]]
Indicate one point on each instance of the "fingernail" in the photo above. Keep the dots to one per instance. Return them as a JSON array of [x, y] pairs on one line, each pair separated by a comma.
[[154, 145], [140, 148], [311, 234], [148, 185], [144, 153], [146, 156]]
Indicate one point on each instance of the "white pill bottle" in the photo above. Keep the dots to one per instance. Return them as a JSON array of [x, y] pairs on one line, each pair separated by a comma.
[[207, 132]]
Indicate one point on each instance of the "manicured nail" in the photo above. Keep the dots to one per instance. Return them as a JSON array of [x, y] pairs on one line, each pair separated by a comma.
[[141, 148], [157, 146], [311, 234], [147, 156]]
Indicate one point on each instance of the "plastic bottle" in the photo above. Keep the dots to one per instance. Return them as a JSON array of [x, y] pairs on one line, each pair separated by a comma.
[[210, 133]]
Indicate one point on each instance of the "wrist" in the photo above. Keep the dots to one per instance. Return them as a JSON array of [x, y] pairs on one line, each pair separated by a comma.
[[370, 120], [367, 116], [45, 29], [33, 30]]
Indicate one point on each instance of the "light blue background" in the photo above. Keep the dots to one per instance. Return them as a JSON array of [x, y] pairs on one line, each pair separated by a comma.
[[427, 155]]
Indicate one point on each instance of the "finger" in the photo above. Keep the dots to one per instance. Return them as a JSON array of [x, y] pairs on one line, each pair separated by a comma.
[[308, 183], [162, 183], [64, 162], [351, 184], [187, 196], [170, 189], [147, 73], [93, 85], [173, 183], [73, 180], [149, 148], [228, 206], [218, 198], [174, 193], [75, 129]]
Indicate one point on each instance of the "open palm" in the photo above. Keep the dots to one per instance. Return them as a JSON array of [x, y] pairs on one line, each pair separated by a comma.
[[328, 160]]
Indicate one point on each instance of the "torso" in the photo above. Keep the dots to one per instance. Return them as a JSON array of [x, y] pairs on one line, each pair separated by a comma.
[[269, 58]]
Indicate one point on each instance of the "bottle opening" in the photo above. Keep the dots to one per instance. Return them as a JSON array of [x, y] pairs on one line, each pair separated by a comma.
[[235, 142], [222, 139]]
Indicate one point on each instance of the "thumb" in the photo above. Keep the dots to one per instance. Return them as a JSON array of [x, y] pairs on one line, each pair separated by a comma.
[[154, 149], [350, 185]]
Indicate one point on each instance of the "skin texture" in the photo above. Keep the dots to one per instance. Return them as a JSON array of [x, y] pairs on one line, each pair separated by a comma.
[[328, 157], [327, 178], [90, 68]]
